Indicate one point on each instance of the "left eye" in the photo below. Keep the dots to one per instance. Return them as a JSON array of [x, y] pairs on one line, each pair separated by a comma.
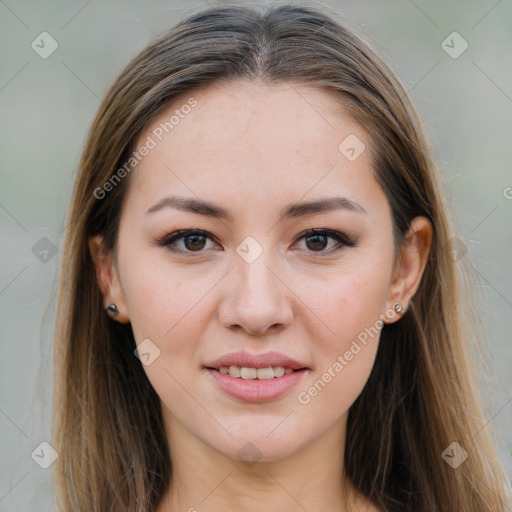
[[194, 240], [318, 240]]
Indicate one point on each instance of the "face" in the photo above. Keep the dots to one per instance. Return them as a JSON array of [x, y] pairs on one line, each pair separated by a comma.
[[255, 287]]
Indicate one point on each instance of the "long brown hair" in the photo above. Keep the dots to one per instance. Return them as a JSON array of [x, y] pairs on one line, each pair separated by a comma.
[[420, 396]]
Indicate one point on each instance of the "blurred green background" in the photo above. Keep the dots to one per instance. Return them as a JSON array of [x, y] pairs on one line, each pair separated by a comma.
[[47, 105]]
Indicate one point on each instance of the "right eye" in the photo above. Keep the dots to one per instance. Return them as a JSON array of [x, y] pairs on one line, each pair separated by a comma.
[[193, 241]]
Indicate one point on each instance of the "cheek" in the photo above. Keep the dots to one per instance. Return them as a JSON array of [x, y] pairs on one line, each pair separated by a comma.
[[167, 309], [345, 355], [170, 310], [351, 301], [334, 388], [164, 305], [350, 306]]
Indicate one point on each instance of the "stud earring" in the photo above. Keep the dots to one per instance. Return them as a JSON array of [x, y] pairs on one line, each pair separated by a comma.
[[112, 308], [398, 307]]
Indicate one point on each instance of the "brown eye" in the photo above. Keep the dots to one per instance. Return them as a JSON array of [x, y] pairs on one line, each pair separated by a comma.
[[317, 240], [192, 241]]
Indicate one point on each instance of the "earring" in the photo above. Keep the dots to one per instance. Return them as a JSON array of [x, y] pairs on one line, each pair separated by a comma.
[[398, 307], [112, 308]]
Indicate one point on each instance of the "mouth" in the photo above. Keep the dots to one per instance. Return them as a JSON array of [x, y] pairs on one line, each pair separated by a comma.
[[255, 377]]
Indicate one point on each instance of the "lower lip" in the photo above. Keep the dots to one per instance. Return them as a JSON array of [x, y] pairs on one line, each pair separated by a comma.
[[255, 390]]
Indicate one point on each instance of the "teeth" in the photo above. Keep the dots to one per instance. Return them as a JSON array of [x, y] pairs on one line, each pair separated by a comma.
[[248, 373], [255, 373], [266, 373], [234, 371], [279, 371]]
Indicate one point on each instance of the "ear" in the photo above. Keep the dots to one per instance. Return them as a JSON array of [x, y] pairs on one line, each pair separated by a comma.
[[108, 279], [410, 266]]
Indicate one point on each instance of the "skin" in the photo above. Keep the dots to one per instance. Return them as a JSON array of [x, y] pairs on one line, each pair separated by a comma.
[[253, 149]]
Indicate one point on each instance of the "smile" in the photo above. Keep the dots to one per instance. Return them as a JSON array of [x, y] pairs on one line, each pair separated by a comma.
[[253, 377]]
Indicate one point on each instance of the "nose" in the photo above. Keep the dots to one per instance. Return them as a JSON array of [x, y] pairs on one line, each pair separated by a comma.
[[257, 300]]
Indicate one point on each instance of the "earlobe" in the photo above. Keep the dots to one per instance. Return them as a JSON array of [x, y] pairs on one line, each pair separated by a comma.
[[410, 266], [108, 282]]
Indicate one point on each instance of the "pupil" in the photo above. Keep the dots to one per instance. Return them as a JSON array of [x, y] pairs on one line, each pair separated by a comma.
[[322, 245]]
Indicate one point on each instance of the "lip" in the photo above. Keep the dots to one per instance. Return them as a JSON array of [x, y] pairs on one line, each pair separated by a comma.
[[248, 360], [255, 390]]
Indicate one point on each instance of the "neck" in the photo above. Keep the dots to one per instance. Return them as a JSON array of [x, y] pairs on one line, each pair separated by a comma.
[[207, 480]]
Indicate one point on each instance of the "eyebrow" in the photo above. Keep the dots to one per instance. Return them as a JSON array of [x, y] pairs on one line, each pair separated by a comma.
[[202, 207]]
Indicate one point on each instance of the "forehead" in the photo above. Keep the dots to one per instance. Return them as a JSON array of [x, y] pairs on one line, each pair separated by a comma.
[[275, 113], [251, 137]]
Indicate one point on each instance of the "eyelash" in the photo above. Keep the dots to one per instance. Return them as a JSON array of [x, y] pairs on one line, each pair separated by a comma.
[[168, 240]]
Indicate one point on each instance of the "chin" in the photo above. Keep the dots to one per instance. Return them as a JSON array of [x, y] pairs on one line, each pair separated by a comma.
[[260, 449], [271, 441]]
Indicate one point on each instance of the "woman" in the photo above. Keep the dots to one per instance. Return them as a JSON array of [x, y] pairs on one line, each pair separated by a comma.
[[258, 307]]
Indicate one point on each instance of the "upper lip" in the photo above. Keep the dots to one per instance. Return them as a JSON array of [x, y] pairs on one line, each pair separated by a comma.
[[248, 360]]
